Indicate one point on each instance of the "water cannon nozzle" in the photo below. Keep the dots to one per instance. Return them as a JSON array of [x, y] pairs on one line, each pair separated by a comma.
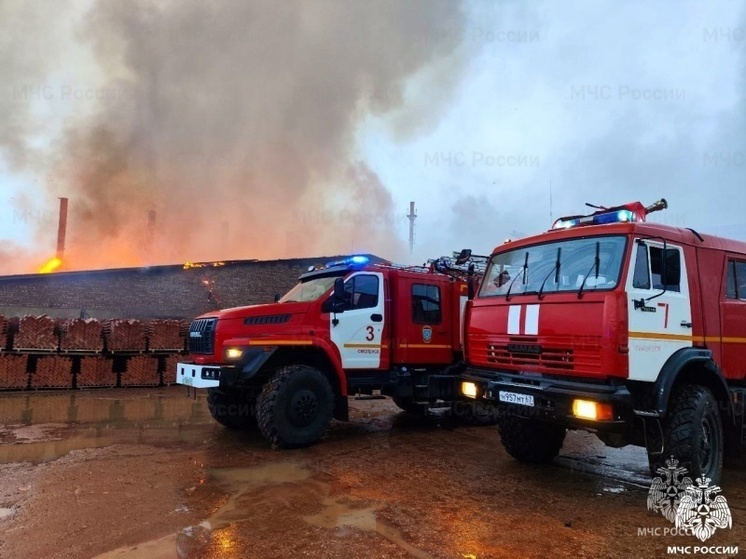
[[657, 206]]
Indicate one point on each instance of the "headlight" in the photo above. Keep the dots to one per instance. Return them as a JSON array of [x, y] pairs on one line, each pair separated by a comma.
[[233, 353]]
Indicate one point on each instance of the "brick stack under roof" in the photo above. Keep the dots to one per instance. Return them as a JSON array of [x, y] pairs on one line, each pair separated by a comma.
[[36, 333], [82, 335]]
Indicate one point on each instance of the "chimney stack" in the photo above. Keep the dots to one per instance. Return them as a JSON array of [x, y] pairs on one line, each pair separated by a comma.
[[62, 229], [412, 216]]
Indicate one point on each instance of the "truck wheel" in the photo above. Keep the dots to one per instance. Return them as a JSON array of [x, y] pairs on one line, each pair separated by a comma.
[[476, 413], [528, 440], [406, 404], [692, 433], [234, 410], [295, 406]]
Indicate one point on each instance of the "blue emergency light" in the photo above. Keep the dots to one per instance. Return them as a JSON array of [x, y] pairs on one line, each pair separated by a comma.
[[352, 260], [616, 216]]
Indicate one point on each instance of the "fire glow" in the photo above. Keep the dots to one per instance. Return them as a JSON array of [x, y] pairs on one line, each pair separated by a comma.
[[50, 266]]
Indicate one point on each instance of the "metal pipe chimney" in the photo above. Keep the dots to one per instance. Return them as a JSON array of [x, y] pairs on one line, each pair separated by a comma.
[[412, 215], [62, 229]]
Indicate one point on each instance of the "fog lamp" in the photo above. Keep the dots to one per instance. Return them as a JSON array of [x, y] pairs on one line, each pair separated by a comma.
[[469, 389], [595, 411]]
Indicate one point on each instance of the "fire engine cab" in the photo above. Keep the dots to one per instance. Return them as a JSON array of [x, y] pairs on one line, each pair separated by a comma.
[[632, 330], [350, 327]]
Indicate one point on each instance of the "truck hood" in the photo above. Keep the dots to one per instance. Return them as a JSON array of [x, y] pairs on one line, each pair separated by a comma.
[[270, 309]]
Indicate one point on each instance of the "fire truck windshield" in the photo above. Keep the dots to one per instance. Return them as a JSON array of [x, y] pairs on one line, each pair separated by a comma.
[[310, 290], [532, 269]]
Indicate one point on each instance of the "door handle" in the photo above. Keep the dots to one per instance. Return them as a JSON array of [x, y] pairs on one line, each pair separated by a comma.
[[376, 317], [686, 324]]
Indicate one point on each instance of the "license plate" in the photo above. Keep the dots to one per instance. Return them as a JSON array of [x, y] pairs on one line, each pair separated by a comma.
[[514, 398]]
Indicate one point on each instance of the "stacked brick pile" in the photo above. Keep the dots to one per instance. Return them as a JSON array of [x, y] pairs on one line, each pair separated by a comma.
[[3, 332], [53, 371], [13, 373], [142, 370], [165, 335], [37, 333], [95, 372], [82, 335], [169, 371], [125, 335]]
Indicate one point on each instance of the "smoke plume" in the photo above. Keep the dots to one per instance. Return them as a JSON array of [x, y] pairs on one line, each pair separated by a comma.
[[236, 123]]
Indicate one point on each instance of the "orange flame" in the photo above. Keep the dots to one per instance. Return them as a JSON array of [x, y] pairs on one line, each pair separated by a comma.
[[188, 265], [50, 266]]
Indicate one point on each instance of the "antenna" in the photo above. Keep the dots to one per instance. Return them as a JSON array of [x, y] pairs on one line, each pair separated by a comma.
[[551, 219]]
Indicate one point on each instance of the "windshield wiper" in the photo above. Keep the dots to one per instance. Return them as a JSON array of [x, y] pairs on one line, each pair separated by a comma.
[[596, 265], [555, 269], [525, 271]]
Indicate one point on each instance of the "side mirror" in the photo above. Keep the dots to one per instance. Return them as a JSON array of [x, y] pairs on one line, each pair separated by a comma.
[[470, 283], [338, 297], [277, 297], [335, 303], [463, 256]]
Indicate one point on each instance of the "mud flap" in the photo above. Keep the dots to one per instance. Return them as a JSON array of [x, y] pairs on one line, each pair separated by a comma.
[[652, 430], [341, 408]]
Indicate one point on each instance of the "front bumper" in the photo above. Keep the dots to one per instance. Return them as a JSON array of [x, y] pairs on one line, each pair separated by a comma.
[[225, 376], [553, 398], [198, 376]]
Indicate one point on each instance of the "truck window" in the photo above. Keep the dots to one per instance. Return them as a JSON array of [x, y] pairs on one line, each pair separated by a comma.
[[426, 304], [524, 270], [361, 292], [672, 279], [641, 276], [730, 282], [741, 280]]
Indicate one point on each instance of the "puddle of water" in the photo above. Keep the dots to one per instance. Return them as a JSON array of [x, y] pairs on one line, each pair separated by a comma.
[[613, 489], [116, 407], [265, 487], [97, 437], [43, 427], [583, 452], [340, 515], [162, 548]]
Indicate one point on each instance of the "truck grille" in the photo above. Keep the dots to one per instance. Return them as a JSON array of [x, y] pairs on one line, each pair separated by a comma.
[[557, 354], [529, 355], [202, 335]]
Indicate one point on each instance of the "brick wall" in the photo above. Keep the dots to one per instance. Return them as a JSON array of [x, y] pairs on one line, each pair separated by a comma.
[[154, 292]]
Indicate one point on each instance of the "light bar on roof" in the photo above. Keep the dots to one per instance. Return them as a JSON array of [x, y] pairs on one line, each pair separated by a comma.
[[615, 216], [357, 260]]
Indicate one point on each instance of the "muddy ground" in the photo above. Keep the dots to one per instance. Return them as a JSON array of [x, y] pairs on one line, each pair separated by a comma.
[[147, 474]]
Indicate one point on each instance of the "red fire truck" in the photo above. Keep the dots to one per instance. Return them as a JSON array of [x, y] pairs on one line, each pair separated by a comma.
[[351, 327], [632, 330]]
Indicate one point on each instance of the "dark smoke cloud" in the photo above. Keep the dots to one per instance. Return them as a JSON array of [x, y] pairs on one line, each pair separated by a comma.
[[27, 32], [236, 122]]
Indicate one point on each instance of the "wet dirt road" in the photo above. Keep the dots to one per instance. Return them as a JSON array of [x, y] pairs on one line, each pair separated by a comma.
[[147, 474]]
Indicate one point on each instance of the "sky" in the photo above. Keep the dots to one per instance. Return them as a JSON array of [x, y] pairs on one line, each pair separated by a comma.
[[272, 132]]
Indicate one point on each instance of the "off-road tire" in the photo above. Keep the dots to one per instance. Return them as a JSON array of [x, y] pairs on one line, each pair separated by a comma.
[[692, 433], [528, 440], [476, 413], [234, 410], [406, 404], [295, 407]]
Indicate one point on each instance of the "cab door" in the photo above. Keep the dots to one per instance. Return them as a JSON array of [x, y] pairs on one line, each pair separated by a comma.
[[359, 329], [733, 317], [426, 323], [659, 307]]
